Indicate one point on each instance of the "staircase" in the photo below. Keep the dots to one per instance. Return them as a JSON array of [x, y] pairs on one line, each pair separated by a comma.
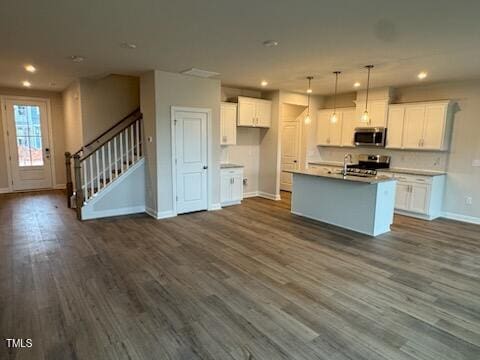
[[102, 166]]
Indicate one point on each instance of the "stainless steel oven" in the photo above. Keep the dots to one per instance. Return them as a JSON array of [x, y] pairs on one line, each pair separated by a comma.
[[370, 136]]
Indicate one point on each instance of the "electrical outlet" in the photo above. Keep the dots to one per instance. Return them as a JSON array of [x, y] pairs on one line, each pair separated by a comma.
[[476, 163], [468, 200]]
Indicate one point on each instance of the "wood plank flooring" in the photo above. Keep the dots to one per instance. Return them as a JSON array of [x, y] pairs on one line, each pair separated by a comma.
[[249, 281]]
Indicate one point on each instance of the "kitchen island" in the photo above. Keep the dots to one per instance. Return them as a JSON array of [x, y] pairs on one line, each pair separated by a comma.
[[362, 204]]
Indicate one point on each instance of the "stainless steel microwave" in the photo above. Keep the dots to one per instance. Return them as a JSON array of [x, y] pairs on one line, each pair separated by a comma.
[[370, 136]]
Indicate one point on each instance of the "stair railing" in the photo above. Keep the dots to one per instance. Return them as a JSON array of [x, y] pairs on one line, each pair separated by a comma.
[[103, 160]]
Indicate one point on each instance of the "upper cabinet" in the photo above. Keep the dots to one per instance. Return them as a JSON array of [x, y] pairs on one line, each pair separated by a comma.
[[339, 133], [254, 112], [419, 126], [377, 112], [228, 123]]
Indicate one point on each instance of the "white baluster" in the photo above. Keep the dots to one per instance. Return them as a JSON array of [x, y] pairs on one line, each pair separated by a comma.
[[90, 159], [109, 147], [121, 152], [85, 180], [104, 167], [115, 158], [132, 144], [126, 147], [97, 161], [137, 142]]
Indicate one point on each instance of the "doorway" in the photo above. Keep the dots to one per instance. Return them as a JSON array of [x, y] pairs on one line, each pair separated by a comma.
[[190, 149], [28, 145], [291, 142]]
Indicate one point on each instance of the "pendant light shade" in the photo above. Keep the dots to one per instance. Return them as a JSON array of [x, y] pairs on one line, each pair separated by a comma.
[[334, 117], [307, 119], [365, 118]]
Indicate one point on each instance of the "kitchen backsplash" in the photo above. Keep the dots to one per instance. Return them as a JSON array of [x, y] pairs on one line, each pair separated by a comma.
[[399, 158]]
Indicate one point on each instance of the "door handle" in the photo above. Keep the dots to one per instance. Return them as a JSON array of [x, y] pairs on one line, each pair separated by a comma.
[[47, 153], [295, 161], [205, 167]]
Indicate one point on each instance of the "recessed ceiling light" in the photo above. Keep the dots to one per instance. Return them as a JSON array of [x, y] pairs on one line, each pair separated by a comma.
[[30, 68], [357, 84], [264, 83], [270, 43], [422, 75], [309, 91], [26, 83], [127, 45], [77, 58]]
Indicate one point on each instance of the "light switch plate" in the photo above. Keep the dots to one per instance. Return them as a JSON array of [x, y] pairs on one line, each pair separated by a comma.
[[476, 163]]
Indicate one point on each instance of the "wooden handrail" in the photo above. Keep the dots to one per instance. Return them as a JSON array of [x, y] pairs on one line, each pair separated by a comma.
[[136, 111], [100, 144]]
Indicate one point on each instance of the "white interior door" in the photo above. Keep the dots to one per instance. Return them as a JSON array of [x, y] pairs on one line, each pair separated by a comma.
[[291, 132], [29, 144], [191, 161]]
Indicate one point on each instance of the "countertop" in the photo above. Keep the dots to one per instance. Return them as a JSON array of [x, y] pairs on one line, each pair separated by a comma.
[[389, 170], [230, 166], [413, 172], [337, 176]]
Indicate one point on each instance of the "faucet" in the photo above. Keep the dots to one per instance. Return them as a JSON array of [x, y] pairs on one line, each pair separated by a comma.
[[347, 156]]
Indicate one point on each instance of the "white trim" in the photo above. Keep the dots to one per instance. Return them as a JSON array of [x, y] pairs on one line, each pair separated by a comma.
[[250, 194], [159, 215], [414, 215], [208, 112], [60, 186], [5, 190], [460, 217], [269, 196], [91, 215], [216, 206], [48, 109]]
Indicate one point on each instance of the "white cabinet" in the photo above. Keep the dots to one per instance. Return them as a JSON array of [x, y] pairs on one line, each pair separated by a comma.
[[231, 186], [339, 133], [419, 126], [377, 112], [254, 112], [228, 124], [418, 196]]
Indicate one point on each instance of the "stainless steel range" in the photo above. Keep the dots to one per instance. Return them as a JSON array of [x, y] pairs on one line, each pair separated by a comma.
[[368, 165]]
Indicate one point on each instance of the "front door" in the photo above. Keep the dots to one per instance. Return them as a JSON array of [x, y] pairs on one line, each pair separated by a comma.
[[191, 160], [29, 144]]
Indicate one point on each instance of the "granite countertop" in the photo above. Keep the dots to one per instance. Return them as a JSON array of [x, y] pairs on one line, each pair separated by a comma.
[[390, 170], [338, 176], [230, 166], [413, 172]]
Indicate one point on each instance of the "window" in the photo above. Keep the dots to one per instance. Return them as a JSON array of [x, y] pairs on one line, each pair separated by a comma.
[[28, 135]]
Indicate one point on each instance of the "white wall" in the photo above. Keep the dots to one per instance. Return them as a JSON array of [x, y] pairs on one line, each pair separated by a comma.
[[106, 101], [462, 179], [179, 90], [57, 124], [72, 114]]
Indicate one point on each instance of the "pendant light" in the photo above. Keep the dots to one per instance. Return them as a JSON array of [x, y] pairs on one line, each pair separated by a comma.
[[365, 117], [309, 91], [334, 118]]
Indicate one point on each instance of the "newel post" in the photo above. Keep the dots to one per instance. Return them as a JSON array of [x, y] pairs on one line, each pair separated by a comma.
[[78, 185]]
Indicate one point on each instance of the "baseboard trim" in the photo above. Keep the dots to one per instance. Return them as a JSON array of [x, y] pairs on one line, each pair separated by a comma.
[[60, 186], [91, 215], [269, 196], [5, 190], [250, 194], [462, 218], [158, 215], [415, 215], [215, 207]]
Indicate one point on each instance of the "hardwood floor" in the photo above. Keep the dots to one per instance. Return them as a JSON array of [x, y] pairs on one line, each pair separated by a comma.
[[247, 281]]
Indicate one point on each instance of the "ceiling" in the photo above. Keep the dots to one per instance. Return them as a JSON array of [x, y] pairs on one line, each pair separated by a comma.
[[401, 38]]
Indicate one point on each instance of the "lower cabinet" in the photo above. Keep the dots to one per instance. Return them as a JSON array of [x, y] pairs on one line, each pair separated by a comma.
[[231, 186], [418, 196]]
